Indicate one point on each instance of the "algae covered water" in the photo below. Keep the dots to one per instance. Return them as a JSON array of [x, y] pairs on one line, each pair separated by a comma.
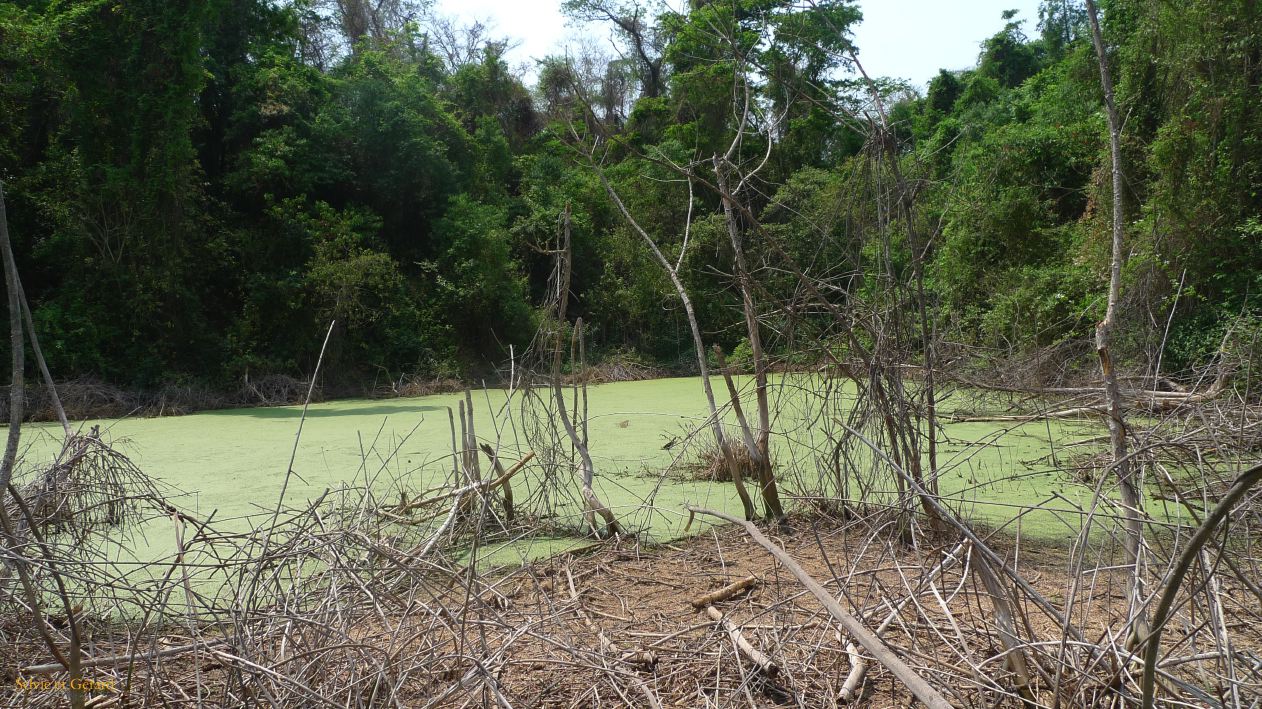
[[233, 463]]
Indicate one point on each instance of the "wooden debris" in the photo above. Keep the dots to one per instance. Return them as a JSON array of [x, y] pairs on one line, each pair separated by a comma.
[[756, 656], [916, 684], [724, 593]]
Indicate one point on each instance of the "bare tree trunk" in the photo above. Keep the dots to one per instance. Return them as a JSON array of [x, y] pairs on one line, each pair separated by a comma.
[[737, 408], [762, 440], [43, 366], [506, 486], [466, 468], [17, 400], [592, 505], [456, 458], [703, 367], [582, 368], [471, 441], [17, 383], [1132, 498]]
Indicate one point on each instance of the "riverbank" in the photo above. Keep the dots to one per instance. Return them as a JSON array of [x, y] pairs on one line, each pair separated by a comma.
[[711, 620], [88, 398]]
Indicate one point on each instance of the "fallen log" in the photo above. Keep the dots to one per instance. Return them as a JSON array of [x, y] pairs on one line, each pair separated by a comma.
[[126, 658], [1077, 412], [1155, 397], [1005, 623]]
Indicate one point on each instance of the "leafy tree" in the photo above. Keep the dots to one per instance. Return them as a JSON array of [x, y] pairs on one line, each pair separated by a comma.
[[197, 188], [636, 29]]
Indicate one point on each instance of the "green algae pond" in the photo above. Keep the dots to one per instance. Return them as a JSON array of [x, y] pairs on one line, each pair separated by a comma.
[[233, 463]]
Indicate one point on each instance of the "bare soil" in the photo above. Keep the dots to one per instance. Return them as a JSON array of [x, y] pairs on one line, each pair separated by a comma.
[[615, 626]]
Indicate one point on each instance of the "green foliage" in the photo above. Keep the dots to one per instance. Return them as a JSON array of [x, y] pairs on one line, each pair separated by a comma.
[[196, 189], [476, 281], [1008, 57]]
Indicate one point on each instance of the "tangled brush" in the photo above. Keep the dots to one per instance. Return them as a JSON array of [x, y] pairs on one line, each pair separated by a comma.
[[88, 487]]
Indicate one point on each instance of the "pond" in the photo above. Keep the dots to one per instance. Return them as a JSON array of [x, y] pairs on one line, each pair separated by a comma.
[[233, 462]]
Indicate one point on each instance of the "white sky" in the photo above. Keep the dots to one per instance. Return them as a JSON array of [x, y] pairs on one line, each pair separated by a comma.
[[907, 39]]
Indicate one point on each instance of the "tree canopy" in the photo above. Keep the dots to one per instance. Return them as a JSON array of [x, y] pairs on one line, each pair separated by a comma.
[[197, 188]]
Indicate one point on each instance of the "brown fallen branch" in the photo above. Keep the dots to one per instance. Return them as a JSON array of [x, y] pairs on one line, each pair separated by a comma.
[[858, 665], [979, 545], [724, 593], [1076, 412], [756, 656], [645, 658], [1155, 396], [1086, 441], [1005, 621], [501, 480], [127, 658], [880, 652]]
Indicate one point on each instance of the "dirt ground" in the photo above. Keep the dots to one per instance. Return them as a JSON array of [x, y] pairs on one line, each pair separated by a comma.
[[615, 627]]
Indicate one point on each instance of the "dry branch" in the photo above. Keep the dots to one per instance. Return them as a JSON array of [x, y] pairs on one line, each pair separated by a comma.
[[123, 659], [756, 656], [703, 366], [858, 665], [870, 642], [1244, 483], [724, 593], [499, 481], [1005, 621]]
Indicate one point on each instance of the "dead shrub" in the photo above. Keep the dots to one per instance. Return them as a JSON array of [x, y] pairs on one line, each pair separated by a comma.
[[423, 386], [709, 463], [277, 390]]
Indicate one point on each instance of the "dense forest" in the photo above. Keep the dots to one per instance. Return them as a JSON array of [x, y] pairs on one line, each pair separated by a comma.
[[196, 189]]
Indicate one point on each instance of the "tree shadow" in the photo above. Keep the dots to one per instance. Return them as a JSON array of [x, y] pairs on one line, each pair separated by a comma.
[[325, 411]]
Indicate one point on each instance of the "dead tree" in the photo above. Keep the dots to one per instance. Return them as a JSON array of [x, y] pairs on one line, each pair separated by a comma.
[[17, 349], [672, 270], [887, 146], [592, 505], [16, 558], [637, 30], [725, 172], [1132, 498], [761, 451]]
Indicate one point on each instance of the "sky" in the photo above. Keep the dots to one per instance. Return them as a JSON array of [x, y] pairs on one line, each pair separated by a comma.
[[906, 39]]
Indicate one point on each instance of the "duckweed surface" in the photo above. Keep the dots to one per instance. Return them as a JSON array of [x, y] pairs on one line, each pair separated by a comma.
[[233, 463]]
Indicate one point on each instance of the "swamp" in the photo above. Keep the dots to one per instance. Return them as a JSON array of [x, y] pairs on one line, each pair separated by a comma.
[[631, 353]]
